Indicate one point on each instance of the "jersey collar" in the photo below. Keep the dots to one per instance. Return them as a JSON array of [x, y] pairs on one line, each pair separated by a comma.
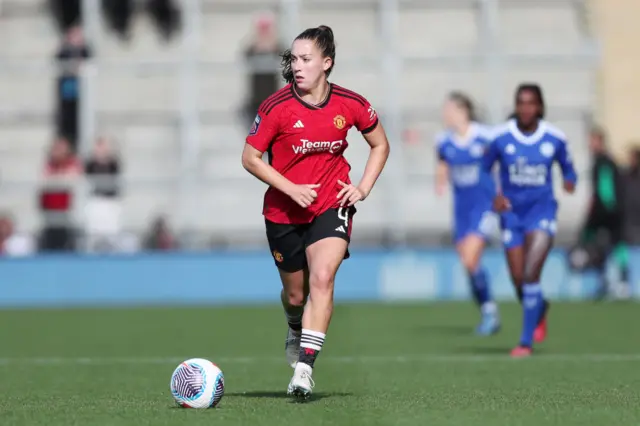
[[531, 139], [466, 140], [307, 104]]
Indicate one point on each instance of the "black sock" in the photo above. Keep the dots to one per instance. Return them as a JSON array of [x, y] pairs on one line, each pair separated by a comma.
[[294, 317], [310, 345]]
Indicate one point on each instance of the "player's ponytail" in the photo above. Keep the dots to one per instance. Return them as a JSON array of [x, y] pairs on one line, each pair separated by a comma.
[[323, 38]]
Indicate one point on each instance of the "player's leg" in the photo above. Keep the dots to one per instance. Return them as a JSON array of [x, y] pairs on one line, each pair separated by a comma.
[[513, 243], [538, 243], [589, 235], [326, 247], [482, 223], [287, 248], [295, 290], [620, 255]]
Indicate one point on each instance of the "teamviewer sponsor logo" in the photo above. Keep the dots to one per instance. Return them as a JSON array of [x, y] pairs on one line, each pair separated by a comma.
[[309, 147]]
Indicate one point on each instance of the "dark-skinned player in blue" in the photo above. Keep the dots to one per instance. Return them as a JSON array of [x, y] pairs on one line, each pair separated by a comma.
[[526, 148]]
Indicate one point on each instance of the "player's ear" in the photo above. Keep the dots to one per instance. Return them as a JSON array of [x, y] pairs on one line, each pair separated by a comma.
[[326, 64]]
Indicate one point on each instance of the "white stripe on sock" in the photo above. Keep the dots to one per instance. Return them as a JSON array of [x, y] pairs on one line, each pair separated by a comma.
[[312, 339]]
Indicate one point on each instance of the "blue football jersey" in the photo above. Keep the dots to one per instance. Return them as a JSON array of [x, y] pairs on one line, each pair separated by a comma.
[[472, 184], [526, 162]]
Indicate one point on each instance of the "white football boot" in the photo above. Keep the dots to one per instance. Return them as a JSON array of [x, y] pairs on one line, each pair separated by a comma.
[[301, 384], [292, 347]]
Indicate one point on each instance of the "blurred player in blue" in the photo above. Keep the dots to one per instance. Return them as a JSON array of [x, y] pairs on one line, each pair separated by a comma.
[[460, 152], [526, 147]]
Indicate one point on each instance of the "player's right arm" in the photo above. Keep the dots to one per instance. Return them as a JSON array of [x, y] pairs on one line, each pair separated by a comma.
[[489, 160], [442, 177], [261, 136]]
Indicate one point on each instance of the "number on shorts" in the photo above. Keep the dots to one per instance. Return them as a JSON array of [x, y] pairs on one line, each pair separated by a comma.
[[343, 214]]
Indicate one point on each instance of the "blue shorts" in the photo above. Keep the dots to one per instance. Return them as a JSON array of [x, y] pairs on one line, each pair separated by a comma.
[[478, 221], [517, 223]]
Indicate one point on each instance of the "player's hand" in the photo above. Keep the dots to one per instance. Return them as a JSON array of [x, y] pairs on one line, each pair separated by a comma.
[[350, 194], [304, 195], [569, 187], [501, 203]]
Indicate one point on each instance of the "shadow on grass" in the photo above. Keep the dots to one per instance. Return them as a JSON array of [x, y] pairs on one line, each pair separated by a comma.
[[316, 396]]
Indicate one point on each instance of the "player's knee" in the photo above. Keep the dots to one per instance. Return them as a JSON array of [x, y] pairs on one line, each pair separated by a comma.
[[321, 280], [518, 279], [470, 264], [295, 297]]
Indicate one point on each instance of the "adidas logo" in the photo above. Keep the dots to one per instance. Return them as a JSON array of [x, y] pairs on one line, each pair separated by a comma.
[[298, 125], [341, 229]]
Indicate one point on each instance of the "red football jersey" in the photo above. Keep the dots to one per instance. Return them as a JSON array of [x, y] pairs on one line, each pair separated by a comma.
[[306, 143]]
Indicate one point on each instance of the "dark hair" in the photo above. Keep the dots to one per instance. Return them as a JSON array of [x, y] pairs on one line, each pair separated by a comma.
[[464, 102], [536, 90], [323, 38]]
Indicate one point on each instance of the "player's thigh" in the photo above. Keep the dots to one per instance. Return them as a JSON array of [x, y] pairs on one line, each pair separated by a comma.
[[286, 243], [327, 244], [324, 258], [470, 250], [538, 244]]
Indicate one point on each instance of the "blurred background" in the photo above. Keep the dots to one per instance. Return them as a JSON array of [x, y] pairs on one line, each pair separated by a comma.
[[122, 124]]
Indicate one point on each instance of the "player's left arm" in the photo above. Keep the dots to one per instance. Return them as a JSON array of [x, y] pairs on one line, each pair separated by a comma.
[[569, 175], [367, 122]]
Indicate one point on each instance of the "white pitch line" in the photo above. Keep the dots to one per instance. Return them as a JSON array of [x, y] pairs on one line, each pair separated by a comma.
[[400, 359]]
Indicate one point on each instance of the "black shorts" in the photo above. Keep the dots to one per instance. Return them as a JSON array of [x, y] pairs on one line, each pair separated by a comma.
[[288, 242]]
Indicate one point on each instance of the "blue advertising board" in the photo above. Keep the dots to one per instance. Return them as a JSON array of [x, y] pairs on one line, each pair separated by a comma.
[[251, 277]]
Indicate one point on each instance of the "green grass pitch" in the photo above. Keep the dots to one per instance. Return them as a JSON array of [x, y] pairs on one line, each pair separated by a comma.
[[382, 365]]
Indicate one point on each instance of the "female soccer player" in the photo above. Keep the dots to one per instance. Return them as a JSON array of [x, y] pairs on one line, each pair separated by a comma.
[[460, 152], [526, 148], [309, 204]]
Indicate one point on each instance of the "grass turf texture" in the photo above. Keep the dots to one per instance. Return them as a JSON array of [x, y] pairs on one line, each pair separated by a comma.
[[382, 365]]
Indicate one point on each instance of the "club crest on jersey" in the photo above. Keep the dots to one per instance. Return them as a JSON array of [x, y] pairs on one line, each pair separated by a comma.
[[547, 149], [510, 149], [255, 126], [277, 256], [339, 121]]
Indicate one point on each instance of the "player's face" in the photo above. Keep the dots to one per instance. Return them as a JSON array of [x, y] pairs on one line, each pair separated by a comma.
[[527, 108], [308, 64], [453, 115], [595, 143]]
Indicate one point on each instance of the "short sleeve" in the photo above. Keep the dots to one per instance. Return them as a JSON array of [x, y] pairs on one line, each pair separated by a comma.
[[366, 118], [263, 131]]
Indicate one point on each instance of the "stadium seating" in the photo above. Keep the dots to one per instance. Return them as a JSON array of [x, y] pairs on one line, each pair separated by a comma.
[[141, 109]]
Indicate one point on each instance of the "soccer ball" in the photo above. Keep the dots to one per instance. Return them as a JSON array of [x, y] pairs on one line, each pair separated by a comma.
[[197, 383]]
